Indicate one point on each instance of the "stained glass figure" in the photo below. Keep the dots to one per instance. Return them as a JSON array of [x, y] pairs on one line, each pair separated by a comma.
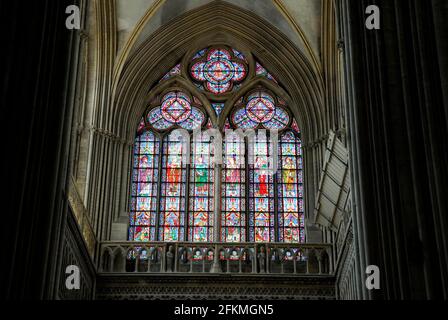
[[261, 194], [201, 192], [218, 70], [233, 206], [172, 203], [144, 188], [279, 121], [290, 189]]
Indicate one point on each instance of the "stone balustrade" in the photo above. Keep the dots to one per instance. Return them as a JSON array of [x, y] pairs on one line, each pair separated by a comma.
[[238, 258]]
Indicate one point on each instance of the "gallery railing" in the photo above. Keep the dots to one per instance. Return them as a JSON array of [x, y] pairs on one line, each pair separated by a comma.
[[240, 258]]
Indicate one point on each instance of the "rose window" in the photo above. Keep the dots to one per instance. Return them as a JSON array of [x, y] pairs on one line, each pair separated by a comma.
[[218, 70]]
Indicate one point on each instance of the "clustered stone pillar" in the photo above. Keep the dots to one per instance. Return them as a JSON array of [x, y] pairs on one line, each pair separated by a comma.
[[397, 112]]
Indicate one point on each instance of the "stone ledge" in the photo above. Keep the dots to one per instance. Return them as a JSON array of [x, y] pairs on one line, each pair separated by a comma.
[[209, 286]]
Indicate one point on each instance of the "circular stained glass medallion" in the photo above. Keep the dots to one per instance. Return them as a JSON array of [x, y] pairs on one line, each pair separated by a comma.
[[260, 107], [176, 107], [218, 70]]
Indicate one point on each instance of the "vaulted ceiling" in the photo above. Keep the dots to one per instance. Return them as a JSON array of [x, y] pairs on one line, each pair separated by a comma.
[[299, 20]]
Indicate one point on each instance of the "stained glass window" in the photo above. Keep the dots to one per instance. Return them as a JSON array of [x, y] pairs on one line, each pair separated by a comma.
[[201, 205], [144, 188], [218, 70], [273, 200], [290, 189], [233, 206], [261, 194], [172, 203]]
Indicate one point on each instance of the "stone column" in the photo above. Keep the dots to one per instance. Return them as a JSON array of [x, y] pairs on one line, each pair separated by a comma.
[[216, 267]]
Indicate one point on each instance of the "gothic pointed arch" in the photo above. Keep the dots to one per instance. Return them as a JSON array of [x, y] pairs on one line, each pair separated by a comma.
[[164, 60], [171, 201], [237, 28]]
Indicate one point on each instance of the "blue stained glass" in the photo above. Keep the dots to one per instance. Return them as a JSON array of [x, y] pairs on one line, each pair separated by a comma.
[[219, 54], [172, 202], [199, 54], [143, 189], [200, 234], [162, 124], [170, 234], [142, 218], [239, 55], [241, 120], [176, 108], [218, 107], [262, 218], [218, 88], [289, 149], [194, 121], [154, 115], [279, 121], [261, 71]]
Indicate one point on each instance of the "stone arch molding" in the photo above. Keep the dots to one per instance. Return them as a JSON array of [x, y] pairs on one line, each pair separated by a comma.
[[200, 28]]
